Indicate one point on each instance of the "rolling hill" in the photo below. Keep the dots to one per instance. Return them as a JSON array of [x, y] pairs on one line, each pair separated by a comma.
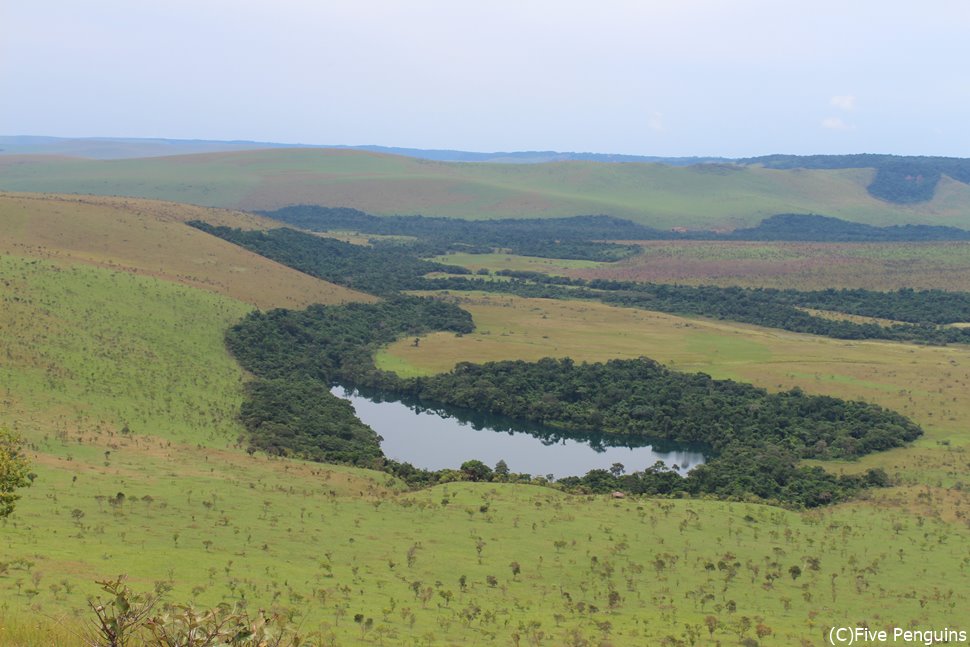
[[149, 238], [707, 196]]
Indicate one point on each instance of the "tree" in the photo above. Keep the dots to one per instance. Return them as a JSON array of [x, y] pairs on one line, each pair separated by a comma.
[[13, 471], [476, 470]]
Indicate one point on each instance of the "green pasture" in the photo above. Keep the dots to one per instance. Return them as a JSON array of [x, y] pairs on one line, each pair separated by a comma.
[[471, 563], [89, 350]]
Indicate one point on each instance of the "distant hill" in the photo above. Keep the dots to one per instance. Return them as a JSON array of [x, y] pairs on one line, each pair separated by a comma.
[[534, 157], [109, 148], [901, 180], [898, 179], [113, 148], [701, 196]]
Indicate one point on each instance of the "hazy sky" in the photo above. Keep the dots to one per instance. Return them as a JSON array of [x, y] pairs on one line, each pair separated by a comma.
[[650, 77]]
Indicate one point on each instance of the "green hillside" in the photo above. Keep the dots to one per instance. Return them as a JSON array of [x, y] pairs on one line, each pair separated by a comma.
[[121, 385], [705, 196], [124, 392]]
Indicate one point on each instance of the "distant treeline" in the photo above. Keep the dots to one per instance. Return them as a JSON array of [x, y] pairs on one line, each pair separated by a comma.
[[304, 352], [899, 179], [568, 238], [386, 270], [814, 228], [574, 238]]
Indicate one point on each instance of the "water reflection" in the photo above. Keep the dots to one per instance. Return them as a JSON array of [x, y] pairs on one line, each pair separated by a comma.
[[444, 437]]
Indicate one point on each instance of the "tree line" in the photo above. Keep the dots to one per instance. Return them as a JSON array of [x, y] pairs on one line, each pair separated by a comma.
[[570, 238], [389, 269], [574, 237]]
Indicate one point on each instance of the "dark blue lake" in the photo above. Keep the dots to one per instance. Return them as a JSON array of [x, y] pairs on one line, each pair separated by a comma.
[[439, 438]]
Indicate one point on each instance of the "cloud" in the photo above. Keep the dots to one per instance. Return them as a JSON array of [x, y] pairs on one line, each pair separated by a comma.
[[835, 123], [656, 122], [843, 101]]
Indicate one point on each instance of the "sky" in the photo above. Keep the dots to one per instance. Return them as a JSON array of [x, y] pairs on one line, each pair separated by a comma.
[[729, 78]]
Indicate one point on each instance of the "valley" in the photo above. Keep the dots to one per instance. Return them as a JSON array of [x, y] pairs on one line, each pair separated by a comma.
[[114, 369]]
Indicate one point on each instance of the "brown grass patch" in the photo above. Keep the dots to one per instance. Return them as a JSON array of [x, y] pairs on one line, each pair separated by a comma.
[[150, 238], [805, 266]]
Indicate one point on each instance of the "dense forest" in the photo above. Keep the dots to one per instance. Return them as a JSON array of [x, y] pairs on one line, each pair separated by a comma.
[[642, 398], [383, 270], [569, 238], [304, 352], [924, 313], [825, 229], [297, 355]]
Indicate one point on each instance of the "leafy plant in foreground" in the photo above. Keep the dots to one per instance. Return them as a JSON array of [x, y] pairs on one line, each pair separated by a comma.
[[125, 617], [14, 472]]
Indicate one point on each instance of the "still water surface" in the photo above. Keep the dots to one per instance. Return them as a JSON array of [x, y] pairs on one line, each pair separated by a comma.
[[440, 438]]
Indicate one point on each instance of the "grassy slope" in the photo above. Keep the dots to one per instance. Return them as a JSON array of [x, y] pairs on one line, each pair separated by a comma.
[[330, 543], [89, 349], [649, 193], [149, 238], [85, 350]]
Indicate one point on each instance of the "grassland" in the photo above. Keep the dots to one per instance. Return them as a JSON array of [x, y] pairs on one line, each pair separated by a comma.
[[804, 266], [150, 238], [715, 196], [500, 261], [327, 543], [117, 377], [433, 567]]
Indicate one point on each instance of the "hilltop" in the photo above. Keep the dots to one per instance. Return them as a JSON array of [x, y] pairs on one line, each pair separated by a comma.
[[704, 196]]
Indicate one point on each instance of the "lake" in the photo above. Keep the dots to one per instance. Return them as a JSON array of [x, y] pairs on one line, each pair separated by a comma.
[[440, 438]]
